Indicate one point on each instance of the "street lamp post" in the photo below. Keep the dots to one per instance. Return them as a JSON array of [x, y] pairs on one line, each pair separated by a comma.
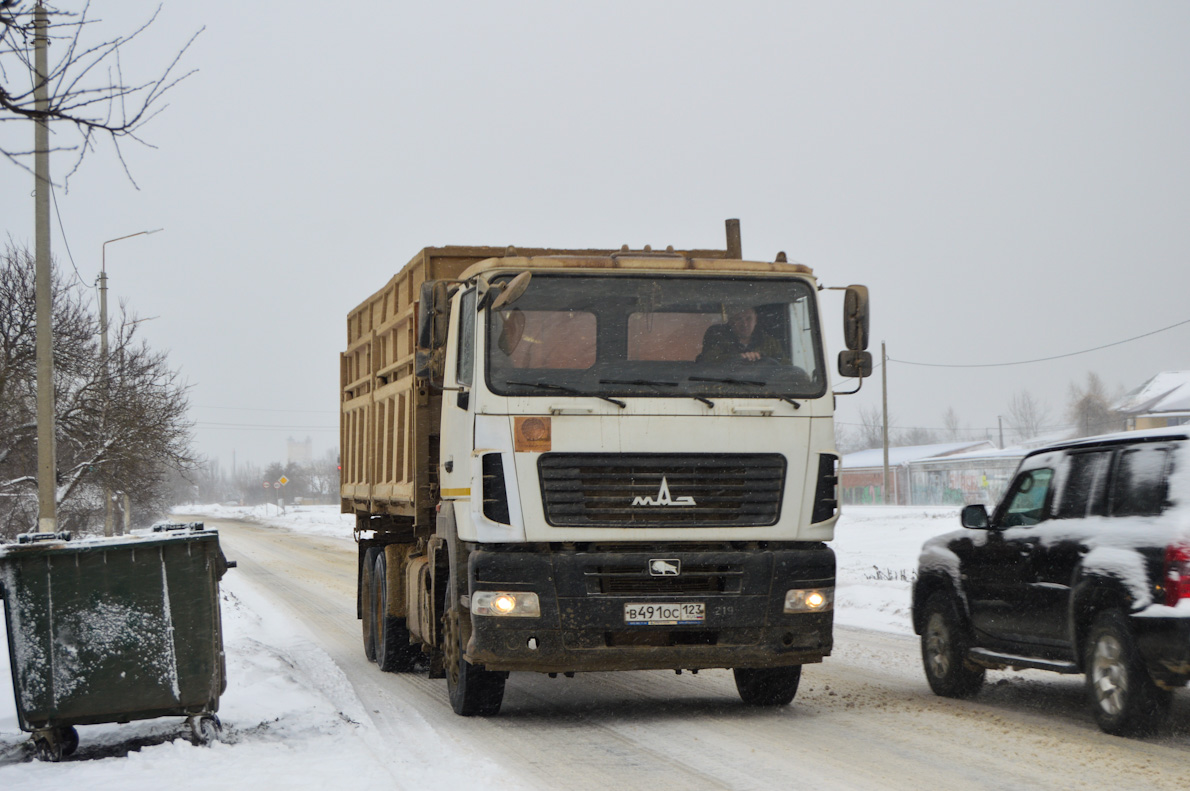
[[108, 529]]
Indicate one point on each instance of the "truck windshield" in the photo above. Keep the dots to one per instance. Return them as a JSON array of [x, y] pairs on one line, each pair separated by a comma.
[[658, 336]]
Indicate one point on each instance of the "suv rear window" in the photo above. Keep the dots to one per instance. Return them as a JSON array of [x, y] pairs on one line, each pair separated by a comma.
[[1139, 486]]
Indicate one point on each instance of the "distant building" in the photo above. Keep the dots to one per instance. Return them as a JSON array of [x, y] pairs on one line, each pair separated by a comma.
[[1161, 402], [861, 478], [980, 476], [301, 451]]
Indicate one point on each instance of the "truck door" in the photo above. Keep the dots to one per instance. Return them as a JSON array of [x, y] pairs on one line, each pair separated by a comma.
[[458, 416]]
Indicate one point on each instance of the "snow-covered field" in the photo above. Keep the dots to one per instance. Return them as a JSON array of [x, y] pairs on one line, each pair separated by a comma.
[[291, 718]]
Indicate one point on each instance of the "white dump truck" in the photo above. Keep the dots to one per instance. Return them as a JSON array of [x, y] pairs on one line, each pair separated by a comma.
[[590, 460]]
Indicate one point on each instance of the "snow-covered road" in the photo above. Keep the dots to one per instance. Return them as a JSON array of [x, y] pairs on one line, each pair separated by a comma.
[[304, 707]]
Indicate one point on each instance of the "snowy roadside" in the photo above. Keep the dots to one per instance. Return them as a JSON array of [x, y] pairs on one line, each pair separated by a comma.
[[876, 548], [290, 714]]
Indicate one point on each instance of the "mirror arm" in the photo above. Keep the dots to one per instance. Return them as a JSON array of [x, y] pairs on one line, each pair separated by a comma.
[[430, 383], [850, 392]]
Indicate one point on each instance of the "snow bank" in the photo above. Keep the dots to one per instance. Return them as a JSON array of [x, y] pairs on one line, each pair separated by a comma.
[[288, 712], [318, 520], [877, 548]]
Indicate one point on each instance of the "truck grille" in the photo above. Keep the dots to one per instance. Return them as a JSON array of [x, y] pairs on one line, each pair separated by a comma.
[[633, 579], [661, 490]]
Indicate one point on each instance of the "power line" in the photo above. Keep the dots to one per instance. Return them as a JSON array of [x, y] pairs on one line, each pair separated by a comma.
[[267, 409], [1039, 359], [258, 427], [65, 241]]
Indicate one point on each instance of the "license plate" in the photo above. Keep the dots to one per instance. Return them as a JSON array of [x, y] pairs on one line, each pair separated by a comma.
[[664, 614]]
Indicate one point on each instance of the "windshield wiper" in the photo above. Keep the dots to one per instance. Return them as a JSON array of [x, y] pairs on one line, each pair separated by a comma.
[[706, 401], [571, 390], [636, 382], [753, 382]]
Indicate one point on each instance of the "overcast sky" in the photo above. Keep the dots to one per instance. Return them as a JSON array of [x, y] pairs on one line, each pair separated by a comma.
[[1011, 180]]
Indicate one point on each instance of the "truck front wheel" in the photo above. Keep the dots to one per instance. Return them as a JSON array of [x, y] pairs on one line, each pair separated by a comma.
[[473, 692], [767, 686]]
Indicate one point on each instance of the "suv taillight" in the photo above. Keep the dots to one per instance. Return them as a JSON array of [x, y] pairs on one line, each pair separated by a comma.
[[1177, 574]]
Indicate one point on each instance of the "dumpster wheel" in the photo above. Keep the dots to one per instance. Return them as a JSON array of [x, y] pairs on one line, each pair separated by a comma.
[[205, 729], [52, 744]]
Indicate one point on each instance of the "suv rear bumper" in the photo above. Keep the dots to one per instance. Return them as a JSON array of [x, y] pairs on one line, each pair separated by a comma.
[[1165, 645], [583, 594]]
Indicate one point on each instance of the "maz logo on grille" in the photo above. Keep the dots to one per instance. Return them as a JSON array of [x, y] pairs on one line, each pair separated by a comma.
[[663, 497], [665, 567]]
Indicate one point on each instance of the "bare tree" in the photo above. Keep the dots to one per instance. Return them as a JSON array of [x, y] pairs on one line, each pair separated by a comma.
[[871, 427], [916, 436], [1090, 408], [950, 424], [1027, 416], [87, 88], [121, 425], [324, 477]]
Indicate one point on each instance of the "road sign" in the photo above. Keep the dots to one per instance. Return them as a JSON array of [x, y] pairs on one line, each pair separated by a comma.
[[266, 484], [283, 480], [277, 485]]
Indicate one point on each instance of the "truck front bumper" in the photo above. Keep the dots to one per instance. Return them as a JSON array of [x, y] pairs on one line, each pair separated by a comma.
[[583, 594]]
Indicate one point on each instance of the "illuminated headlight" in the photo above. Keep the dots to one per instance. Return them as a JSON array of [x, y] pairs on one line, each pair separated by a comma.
[[809, 600], [512, 605]]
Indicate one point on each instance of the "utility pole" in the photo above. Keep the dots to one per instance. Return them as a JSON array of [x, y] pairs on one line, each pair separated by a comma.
[[108, 521], [47, 465], [1000, 420], [884, 386]]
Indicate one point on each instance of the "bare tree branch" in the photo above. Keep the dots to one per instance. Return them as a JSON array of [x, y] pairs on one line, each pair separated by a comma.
[[1027, 416], [86, 84]]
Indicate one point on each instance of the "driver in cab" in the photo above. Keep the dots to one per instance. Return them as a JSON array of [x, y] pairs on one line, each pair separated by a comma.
[[739, 341]]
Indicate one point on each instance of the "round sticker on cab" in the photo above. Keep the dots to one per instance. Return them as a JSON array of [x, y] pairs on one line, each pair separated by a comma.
[[532, 434]]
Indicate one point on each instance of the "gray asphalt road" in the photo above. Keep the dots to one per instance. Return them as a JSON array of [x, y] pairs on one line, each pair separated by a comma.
[[864, 719]]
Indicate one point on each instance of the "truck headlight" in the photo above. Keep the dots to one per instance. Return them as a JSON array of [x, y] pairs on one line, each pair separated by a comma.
[[809, 599], [509, 604]]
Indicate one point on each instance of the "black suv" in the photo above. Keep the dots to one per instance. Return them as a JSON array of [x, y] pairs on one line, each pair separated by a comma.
[[1083, 568]]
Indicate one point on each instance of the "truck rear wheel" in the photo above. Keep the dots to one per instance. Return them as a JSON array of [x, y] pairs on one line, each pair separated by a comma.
[[473, 692], [767, 686], [368, 602], [394, 653]]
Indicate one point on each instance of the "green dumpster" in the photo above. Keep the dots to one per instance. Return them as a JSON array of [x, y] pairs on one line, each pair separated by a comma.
[[114, 630]]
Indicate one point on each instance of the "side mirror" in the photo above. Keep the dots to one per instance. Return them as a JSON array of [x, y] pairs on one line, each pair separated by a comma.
[[975, 517], [855, 364], [513, 291], [855, 318]]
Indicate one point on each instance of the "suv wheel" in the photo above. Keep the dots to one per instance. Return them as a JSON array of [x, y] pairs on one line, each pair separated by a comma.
[[1123, 696], [944, 644]]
